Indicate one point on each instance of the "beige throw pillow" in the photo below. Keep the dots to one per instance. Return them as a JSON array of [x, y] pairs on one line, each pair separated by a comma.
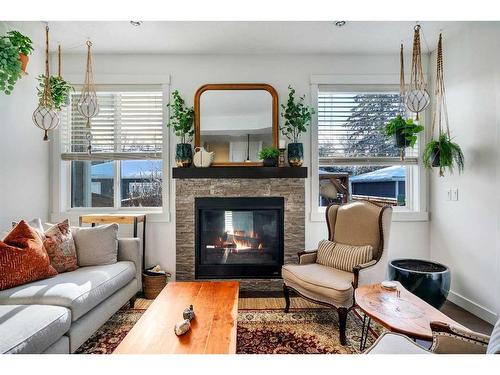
[[61, 248], [341, 256], [96, 246]]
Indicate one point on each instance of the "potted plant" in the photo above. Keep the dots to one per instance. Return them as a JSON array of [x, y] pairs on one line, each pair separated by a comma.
[[10, 65], [269, 156], [59, 90], [181, 121], [24, 46], [443, 153], [297, 117], [404, 131]]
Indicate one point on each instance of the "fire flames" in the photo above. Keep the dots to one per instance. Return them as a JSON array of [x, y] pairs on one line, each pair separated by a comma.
[[240, 240]]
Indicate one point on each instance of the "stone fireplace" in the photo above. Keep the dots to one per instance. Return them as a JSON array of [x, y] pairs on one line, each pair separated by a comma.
[[239, 228]]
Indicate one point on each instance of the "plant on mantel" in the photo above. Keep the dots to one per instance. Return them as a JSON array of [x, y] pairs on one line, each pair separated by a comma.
[[181, 121], [297, 117], [442, 152], [269, 156]]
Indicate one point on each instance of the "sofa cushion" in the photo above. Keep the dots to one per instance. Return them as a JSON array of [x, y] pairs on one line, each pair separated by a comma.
[[96, 246], [79, 290], [60, 246], [343, 257], [320, 282], [23, 258], [31, 328], [494, 344]]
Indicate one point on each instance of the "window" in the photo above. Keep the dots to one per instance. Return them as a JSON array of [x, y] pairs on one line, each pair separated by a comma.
[[355, 159], [125, 168]]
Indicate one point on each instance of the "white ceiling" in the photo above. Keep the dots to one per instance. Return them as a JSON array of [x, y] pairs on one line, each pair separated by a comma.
[[356, 37]]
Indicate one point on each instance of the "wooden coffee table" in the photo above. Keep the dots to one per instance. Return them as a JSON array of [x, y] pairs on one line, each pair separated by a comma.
[[213, 330], [406, 314]]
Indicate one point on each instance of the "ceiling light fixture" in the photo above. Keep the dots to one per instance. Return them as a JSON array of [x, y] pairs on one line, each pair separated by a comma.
[[339, 23], [136, 23]]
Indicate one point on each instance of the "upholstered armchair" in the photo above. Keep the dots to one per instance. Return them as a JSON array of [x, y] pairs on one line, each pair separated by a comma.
[[446, 339], [359, 223]]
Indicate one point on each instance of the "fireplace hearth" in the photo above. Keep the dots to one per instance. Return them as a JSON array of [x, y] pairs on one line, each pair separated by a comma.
[[239, 237]]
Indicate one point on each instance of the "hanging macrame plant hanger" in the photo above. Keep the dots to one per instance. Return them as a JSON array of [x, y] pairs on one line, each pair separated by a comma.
[[45, 116], [440, 120], [417, 97], [402, 95]]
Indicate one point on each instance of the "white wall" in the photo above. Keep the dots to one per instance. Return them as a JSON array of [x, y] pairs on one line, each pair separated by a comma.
[[189, 72], [24, 156], [464, 234]]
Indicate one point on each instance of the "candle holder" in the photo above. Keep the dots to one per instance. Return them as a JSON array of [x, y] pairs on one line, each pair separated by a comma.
[[281, 158]]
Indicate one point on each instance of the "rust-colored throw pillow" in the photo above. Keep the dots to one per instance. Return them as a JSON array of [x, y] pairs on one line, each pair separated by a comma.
[[23, 258], [61, 247]]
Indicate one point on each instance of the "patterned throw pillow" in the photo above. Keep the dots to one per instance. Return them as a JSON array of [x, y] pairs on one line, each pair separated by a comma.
[[23, 258], [61, 247], [341, 256]]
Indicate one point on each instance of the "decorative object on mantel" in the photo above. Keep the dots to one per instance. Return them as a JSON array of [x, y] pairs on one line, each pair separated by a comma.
[[59, 88], [417, 97], [282, 148], [297, 117], [87, 105], [402, 128], [442, 153], [269, 156], [182, 327], [46, 116], [203, 158], [24, 46], [188, 313], [181, 121]]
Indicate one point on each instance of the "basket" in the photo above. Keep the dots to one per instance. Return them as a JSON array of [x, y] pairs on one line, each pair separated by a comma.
[[153, 283]]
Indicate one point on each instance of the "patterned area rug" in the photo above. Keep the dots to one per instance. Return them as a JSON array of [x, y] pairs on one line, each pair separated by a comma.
[[301, 331]]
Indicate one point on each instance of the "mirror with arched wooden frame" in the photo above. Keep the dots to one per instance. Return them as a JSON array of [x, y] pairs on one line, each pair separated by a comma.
[[236, 120]]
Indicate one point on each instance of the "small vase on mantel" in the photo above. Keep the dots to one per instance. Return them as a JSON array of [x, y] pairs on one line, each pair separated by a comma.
[[295, 154], [184, 155]]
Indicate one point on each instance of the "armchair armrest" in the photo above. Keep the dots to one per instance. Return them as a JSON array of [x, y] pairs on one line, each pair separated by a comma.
[[129, 249], [307, 257], [448, 339], [357, 269]]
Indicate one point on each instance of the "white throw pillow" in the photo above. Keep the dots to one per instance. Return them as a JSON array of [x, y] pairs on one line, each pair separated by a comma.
[[96, 246]]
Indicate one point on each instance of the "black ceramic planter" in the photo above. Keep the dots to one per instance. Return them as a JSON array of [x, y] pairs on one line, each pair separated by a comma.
[[295, 154], [184, 155], [270, 162], [435, 158], [428, 280]]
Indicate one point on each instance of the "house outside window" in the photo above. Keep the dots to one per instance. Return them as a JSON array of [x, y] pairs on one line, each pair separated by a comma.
[[125, 168], [355, 160]]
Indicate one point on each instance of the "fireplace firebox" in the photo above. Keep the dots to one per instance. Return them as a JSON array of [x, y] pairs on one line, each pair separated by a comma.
[[239, 237]]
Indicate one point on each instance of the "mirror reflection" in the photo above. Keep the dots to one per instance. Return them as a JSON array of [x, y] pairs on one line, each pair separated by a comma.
[[236, 124]]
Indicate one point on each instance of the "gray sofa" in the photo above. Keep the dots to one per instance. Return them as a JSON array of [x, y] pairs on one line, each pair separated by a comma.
[[57, 315]]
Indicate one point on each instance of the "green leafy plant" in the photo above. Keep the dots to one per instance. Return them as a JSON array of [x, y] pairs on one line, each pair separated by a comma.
[[297, 116], [22, 42], [181, 118], [59, 90], [443, 153], [269, 153], [10, 65], [405, 127]]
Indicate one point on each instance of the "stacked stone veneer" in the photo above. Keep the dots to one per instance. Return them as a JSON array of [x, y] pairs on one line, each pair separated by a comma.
[[186, 190]]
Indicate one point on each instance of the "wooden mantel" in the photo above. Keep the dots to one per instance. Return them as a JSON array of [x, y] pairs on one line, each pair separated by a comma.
[[240, 172]]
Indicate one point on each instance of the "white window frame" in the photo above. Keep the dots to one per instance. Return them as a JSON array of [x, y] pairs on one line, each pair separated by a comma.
[[416, 183], [60, 171]]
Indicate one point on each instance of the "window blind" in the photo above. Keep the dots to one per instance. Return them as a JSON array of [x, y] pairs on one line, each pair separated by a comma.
[[350, 127], [129, 126]]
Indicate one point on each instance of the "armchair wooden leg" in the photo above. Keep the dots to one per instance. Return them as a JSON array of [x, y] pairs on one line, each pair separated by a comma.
[[342, 311], [286, 293]]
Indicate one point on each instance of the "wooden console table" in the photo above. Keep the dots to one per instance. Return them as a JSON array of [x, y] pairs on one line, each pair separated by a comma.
[[134, 219]]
